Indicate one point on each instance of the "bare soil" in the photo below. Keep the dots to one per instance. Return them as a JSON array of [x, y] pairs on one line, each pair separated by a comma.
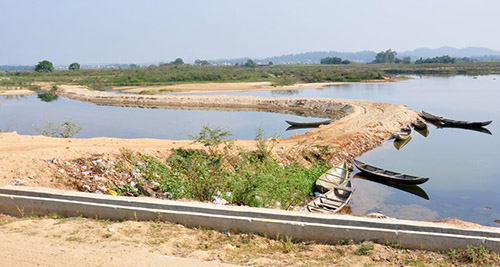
[[86, 242], [193, 88]]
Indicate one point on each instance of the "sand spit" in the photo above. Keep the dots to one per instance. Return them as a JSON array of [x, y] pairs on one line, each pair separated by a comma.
[[219, 87]]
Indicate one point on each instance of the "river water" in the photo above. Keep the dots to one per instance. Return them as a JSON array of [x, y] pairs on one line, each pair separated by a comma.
[[462, 164]]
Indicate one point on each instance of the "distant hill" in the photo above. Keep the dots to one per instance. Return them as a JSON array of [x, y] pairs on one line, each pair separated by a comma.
[[477, 53], [472, 52], [304, 58]]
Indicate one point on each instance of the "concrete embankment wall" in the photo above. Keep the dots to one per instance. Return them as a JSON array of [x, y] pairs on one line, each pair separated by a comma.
[[329, 229]]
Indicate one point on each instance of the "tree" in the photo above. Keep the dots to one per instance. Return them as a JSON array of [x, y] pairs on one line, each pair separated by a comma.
[[388, 56], [178, 61], [250, 64], [201, 62], [331, 60], [345, 62], [44, 66], [406, 60], [74, 66]]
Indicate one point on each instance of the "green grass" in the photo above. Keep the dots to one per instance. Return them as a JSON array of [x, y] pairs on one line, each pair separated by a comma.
[[278, 75], [247, 178], [165, 75], [364, 249]]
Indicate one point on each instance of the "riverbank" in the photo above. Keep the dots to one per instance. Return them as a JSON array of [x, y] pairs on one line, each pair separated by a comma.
[[361, 126], [11, 92], [227, 87]]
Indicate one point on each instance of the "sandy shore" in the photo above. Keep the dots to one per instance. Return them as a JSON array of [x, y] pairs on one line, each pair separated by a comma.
[[196, 88], [16, 92]]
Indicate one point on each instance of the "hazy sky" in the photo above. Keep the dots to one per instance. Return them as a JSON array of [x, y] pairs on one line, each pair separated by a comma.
[[126, 31]]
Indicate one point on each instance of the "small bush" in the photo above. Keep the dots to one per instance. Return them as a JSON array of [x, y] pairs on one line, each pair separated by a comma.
[[364, 249]]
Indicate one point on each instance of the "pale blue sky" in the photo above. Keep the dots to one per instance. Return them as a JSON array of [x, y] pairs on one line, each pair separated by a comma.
[[126, 31]]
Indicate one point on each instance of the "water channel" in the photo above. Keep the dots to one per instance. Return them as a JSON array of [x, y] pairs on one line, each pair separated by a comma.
[[462, 164]]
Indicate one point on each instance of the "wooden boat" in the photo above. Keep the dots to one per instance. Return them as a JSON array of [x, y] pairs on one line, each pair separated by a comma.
[[388, 175], [448, 122], [308, 124], [409, 188], [337, 175], [402, 135], [419, 125], [340, 194]]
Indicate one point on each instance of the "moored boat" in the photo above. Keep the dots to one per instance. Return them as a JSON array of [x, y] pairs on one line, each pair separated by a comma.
[[339, 194], [337, 175], [388, 175], [419, 125], [403, 134], [308, 124], [455, 123]]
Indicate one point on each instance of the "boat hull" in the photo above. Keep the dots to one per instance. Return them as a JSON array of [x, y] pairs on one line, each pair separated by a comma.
[[308, 124], [388, 175], [456, 123]]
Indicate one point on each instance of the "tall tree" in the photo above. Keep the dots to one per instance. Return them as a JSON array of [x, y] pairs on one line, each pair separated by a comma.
[[178, 61], [74, 66], [388, 56], [44, 66]]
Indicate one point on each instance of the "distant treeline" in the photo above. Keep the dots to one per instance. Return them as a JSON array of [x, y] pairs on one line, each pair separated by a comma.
[[175, 74], [444, 60], [334, 60]]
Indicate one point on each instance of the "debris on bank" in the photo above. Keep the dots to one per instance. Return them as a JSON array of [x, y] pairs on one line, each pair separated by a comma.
[[101, 176]]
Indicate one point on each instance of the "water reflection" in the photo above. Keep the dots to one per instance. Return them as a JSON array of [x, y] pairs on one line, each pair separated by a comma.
[[412, 189], [285, 92]]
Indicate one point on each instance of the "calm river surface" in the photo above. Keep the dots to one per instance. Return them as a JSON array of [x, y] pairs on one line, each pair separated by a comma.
[[463, 165]]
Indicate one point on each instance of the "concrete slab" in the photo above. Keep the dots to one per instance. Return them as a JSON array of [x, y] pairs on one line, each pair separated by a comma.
[[322, 228]]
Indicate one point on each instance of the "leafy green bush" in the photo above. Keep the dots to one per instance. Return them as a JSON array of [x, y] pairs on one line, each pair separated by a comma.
[[245, 178]]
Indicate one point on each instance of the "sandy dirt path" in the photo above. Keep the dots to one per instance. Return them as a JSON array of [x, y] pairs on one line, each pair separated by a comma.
[[23, 249]]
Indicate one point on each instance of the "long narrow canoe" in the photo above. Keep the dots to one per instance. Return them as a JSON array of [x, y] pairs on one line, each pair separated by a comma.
[[389, 175], [449, 122], [308, 124], [339, 193]]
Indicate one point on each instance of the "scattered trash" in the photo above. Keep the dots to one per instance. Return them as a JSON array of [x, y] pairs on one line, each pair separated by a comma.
[[376, 215], [218, 200], [18, 181], [101, 176], [111, 229], [317, 194]]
